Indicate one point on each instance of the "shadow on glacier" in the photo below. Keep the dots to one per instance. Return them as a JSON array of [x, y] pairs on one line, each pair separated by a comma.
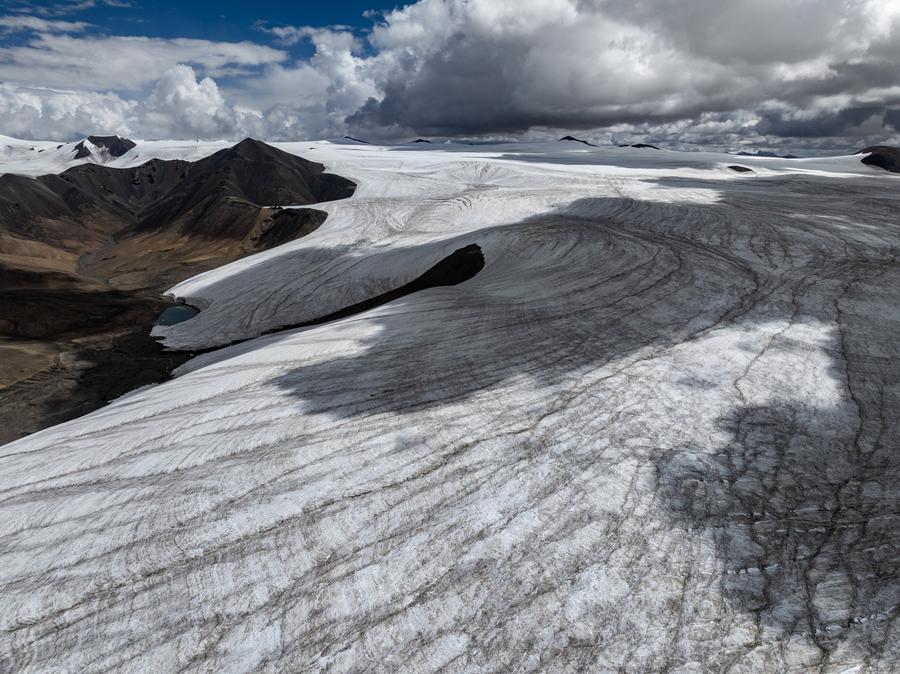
[[560, 294], [803, 503], [806, 524]]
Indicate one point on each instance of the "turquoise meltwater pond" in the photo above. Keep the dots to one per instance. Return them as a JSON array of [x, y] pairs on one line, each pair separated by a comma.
[[176, 314]]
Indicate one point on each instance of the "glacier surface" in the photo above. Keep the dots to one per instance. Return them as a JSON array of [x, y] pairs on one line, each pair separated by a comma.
[[658, 431]]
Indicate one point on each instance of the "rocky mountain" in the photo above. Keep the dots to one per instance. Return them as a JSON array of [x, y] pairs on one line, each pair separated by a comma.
[[221, 194], [112, 146], [217, 204], [577, 140], [85, 254], [765, 153], [882, 156]]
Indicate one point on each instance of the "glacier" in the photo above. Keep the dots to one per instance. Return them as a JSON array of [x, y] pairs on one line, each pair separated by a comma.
[[658, 431]]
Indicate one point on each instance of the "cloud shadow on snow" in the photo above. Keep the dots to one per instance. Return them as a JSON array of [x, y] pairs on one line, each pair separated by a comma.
[[802, 503]]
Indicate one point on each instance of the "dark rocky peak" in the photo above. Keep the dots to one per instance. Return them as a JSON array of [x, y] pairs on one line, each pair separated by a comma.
[[134, 187], [219, 191], [85, 197], [249, 148], [882, 156], [421, 140], [577, 140], [765, 154], [116, 146], [218, 197], [256, 152], [641, 145], [758, 153]]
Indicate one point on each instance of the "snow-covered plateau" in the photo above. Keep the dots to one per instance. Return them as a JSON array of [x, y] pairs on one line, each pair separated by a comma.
[[658, 431]]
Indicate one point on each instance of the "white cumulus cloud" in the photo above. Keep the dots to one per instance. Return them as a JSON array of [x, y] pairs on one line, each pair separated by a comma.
[[17, 22], [809, 73]]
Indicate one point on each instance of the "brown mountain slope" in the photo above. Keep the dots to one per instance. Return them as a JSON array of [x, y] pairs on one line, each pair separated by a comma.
[[153, 224], [85, 254], [213, 200]]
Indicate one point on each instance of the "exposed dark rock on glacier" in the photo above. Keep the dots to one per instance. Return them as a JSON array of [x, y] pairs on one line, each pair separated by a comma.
[[115, 146], [740, 169], [577, 140], [882, 156], [287, 224]]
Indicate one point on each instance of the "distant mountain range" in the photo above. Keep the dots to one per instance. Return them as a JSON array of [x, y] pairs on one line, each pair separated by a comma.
[[765, 153], [637, 145]]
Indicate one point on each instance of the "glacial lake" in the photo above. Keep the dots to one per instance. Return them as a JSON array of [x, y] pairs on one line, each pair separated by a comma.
[[176, 314]]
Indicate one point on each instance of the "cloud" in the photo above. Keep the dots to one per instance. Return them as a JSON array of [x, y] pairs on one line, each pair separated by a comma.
[[15, 22], [193, 107], [814, 74], [73, 6], [315, 94], [845, 122], [181, 105], [288, 35], [291, 35], [33, 112], [123, 62], [469, 67]]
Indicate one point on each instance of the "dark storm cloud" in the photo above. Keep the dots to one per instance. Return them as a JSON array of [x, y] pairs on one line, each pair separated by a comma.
[[839, 123], [892, 119], [811, 73], [601, 64]]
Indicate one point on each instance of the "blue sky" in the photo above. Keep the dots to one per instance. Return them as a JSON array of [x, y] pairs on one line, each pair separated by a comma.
[[200, 15], [805, 75], [205, 19]]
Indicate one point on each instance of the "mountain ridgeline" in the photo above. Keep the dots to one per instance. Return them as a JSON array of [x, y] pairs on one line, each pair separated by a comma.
[[882, 156], [114, 146], [85, 255], [212, 207]]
